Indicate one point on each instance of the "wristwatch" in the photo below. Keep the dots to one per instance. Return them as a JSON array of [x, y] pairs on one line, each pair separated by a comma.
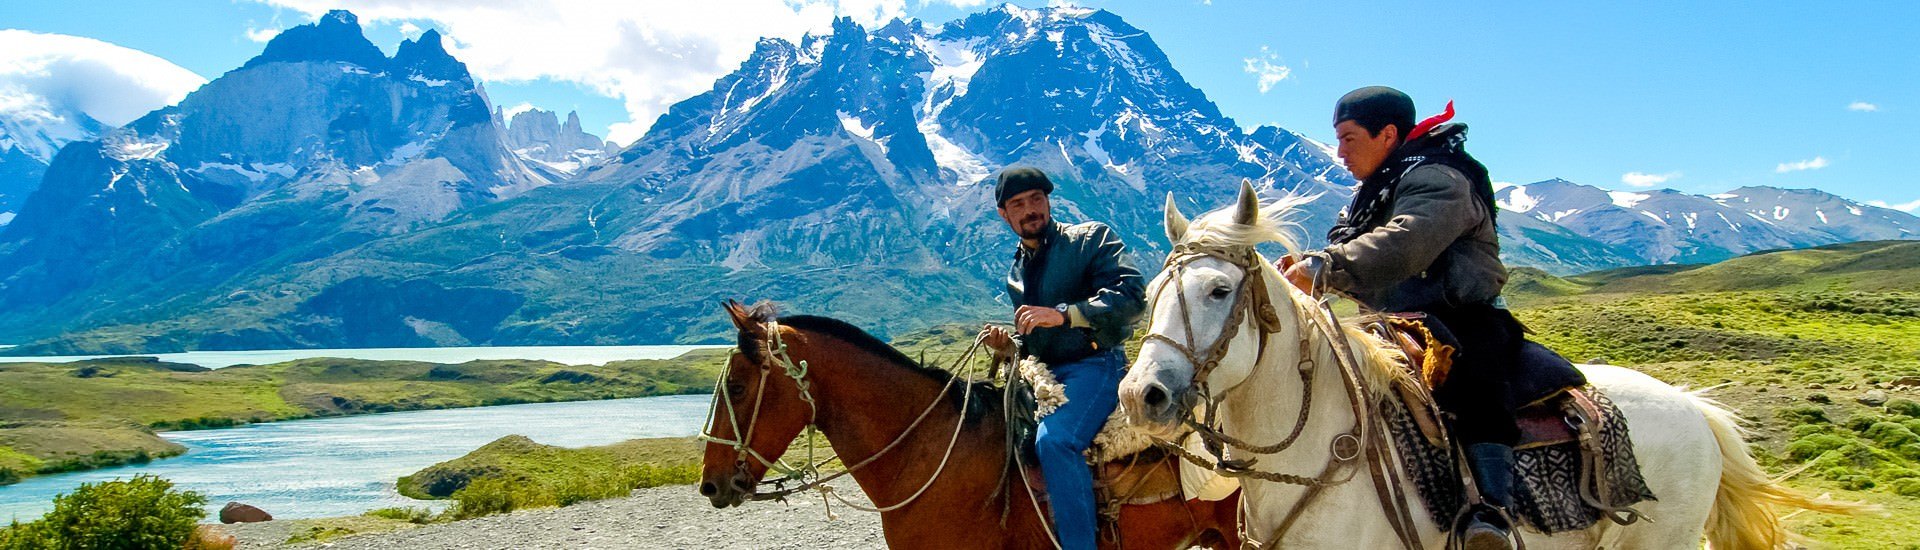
[[1062, 308]]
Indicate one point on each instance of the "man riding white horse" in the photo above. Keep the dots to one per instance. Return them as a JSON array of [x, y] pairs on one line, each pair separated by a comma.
[[1077, 297], [1419, 237]]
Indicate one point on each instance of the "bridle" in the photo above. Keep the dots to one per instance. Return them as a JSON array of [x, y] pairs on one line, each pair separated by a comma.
[[1365, 438], [775, 355]]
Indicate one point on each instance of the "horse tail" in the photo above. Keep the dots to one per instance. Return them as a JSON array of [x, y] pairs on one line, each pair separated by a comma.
[[1743, 514]]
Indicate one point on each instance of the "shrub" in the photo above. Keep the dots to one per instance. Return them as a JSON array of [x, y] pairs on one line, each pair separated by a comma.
[[1803, 414], [1812, 446], [409, 514], [141, 513], [1903, 407], [492, 495]]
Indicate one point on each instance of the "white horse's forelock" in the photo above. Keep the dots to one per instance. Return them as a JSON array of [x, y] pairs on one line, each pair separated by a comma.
[[1278, 222]]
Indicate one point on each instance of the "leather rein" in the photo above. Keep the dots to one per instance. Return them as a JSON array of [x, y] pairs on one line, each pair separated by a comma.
[[775, 356], [1365, 438]]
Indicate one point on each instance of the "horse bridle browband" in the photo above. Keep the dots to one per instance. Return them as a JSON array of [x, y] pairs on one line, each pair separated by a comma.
[[1252, 296]]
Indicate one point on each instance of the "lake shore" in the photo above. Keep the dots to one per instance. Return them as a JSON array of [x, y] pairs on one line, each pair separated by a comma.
[[57, 417]]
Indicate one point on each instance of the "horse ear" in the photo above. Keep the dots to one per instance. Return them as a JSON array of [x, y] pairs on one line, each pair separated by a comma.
[[738, 314], [1249, 209], [1176, 222]]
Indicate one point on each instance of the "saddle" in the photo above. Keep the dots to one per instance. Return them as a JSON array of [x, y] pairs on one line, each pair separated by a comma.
[[1127, 467], [1544, 386], [1574, 462]]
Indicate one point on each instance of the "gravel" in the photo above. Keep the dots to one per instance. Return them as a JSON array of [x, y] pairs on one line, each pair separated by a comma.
[[660, 517]]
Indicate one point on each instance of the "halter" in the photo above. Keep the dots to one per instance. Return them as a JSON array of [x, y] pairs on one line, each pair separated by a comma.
[[776, 354], [1344, 449]]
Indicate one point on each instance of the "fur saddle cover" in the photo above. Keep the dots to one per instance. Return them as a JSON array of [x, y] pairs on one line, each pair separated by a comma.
[[1127, 466]]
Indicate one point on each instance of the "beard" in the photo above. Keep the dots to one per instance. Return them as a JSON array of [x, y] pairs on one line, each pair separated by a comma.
[[1033, 226]]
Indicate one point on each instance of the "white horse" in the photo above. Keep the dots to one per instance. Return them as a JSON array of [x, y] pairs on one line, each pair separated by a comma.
[[1690, 450]]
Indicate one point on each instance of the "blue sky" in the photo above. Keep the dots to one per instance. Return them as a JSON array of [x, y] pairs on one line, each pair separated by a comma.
[[1700, 97]]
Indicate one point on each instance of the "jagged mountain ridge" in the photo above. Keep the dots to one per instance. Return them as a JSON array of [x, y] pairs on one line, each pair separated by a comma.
[[1668, 226], [309, 148], [538, 137], [840, 174]]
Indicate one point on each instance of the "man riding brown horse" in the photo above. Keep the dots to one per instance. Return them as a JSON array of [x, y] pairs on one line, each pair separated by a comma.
[[1077, 297], [1419, 237]]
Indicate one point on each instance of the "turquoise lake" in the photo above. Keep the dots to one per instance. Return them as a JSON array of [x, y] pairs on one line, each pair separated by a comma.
[[348, 465]]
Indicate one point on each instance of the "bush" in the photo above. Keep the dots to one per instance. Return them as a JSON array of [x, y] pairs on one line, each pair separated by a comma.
[[407, 514], [1904, 407], [491, 495], [1803, 414], [141, 513]]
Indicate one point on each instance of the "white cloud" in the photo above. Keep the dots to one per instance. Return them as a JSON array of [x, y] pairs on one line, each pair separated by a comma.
[[1643, 179], [648, 53], [410, 30], [508, 112], [262, 35], [1911, 207], [1814, 163], [45, 75], [1267, 68], [1862, 106]]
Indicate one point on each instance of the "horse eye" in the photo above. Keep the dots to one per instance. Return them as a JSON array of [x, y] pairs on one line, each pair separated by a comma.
[[1220, 292], [736, 390]]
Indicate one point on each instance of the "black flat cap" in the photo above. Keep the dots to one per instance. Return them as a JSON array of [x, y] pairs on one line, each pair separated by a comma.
[[1020, 179]]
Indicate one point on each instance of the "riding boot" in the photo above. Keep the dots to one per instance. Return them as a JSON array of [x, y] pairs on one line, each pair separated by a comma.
[[1487, 528]]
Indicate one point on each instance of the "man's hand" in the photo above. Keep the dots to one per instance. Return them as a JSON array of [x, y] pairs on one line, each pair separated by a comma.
[[1301, 277], [1028, 318], [998, 341]]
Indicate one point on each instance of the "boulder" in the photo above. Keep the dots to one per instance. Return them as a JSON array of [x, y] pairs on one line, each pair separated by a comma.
[[235, 512], [1873, 398]]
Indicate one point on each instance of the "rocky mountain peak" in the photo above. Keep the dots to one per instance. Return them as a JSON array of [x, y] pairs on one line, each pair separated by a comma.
[[335, 37]]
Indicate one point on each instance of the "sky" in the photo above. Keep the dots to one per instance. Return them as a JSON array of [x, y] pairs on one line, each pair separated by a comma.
[[1701, 97]]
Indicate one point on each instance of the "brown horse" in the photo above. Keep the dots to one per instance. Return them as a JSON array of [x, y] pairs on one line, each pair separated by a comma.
[[911, 447]]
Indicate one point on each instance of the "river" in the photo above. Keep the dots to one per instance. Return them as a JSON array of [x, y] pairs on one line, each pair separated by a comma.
[[347, 465]]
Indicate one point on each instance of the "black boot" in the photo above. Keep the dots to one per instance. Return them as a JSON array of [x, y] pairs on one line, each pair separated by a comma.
[[1486, 529]]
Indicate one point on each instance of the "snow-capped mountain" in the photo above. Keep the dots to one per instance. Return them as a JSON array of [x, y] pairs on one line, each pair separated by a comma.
[[869, 147], [326, 196], [842, 173], [1816, 211], [319, 143], [538, 137], [29, 137], [1667, 226]]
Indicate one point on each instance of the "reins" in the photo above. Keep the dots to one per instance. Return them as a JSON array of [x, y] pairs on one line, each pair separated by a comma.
[[1344, 449], [797, 370]]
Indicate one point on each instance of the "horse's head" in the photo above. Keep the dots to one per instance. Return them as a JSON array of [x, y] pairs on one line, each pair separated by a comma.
[[1211, 305], [758, 407]]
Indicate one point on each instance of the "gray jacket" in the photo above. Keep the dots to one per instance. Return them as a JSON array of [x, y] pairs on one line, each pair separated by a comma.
[[1085, 267], [1438, 248]]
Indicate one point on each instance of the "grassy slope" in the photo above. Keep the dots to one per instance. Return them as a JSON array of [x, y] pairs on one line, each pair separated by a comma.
[[1795, 340], [52, 413]]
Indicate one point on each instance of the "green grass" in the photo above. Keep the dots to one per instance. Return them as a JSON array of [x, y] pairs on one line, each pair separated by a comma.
[[58, 417]]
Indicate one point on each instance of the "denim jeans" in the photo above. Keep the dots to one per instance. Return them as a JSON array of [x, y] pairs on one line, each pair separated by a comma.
[[1092, 388]]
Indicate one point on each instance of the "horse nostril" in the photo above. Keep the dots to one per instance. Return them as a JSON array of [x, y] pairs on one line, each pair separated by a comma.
[[708, 489], [1156, 396]]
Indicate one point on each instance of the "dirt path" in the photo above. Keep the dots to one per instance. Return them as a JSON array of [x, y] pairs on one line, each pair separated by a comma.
[[660, 517]]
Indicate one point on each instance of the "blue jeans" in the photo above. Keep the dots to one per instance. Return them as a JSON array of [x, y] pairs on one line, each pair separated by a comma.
[[1093, 387]]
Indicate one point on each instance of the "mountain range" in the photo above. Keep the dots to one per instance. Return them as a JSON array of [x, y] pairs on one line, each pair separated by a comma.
[[327, 195]]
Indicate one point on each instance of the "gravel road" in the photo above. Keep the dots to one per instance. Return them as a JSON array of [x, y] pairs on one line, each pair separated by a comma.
[[659, 517]]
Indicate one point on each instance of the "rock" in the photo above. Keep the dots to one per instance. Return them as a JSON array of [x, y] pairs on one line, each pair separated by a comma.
[[1819, 398], [235, 512], [1906, 382], [1597, 361], [1873, 398], [1816, 386]]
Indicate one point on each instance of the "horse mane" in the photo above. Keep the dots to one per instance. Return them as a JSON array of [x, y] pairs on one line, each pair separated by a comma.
[[1278, 222]]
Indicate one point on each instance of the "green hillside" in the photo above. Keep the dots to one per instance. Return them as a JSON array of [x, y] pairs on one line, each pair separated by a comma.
[[1819, 347]]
